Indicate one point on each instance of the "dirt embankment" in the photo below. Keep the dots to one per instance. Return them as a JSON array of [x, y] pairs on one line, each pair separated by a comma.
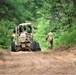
[[56, 62]]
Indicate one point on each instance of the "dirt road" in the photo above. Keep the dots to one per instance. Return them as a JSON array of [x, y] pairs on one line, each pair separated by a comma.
[[38, 63]]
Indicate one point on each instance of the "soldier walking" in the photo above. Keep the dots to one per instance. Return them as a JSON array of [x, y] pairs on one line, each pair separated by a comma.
[[49, 38]]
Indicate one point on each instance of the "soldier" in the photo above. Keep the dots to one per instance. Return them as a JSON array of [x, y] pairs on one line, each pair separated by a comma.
[[49, 38]]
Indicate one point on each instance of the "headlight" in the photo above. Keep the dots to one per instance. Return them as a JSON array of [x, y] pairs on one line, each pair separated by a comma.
[[13, 35]]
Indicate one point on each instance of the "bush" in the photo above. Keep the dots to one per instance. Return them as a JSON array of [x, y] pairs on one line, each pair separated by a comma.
[[68, 39], [5, 33]]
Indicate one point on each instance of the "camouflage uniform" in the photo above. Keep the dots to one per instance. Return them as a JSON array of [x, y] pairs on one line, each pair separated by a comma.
[[49, 38]]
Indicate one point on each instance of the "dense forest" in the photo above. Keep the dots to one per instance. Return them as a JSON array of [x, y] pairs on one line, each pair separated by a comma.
[[58, 15]]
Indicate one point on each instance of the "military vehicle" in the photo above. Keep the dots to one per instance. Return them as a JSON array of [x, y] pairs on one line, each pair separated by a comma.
[[22, 38]]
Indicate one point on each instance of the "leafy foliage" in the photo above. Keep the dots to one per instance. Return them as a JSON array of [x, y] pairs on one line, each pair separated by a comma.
[[68, 38], [58, 15], [5, 32]]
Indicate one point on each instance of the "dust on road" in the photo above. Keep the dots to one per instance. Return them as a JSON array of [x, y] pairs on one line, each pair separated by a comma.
[[38, 63]]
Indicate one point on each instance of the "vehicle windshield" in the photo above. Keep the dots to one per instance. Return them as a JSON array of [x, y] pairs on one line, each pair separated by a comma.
[[25, 28]]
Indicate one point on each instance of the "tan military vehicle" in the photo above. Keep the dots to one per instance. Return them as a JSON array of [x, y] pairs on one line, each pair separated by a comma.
[[22, 38]]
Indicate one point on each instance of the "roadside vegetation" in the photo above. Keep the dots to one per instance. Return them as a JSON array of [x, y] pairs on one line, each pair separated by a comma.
[[58, 15], [68, 39]]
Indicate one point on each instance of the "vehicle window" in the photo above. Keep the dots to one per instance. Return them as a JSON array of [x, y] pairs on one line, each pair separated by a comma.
[[24, 28], [29, 29], [20, 29]]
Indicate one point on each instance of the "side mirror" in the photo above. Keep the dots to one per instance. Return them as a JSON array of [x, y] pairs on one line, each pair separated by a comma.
[[14, 31]]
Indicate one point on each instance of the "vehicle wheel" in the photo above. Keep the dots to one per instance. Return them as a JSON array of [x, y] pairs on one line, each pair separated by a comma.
[[13, 46], [36, 46]]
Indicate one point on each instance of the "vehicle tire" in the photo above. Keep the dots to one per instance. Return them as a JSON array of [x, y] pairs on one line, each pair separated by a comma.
[[13, 46], [36, 46]]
